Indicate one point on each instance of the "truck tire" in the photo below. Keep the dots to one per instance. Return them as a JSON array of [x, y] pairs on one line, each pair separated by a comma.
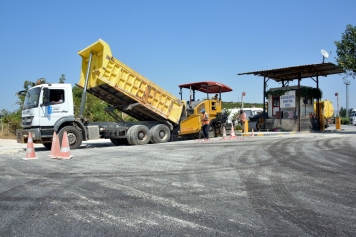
[[151, 131], [75, 137], [140, 135], [160, 133], [128, 134]]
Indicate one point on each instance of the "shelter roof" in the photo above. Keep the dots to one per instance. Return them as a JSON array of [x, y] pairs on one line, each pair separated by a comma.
[[292, 73], [288, 88], [207, 87]]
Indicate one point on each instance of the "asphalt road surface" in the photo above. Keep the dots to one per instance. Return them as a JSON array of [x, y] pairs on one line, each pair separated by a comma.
[[288, 185]]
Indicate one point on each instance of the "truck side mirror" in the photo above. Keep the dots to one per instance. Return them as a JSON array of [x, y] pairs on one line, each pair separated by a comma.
[[46, 99]]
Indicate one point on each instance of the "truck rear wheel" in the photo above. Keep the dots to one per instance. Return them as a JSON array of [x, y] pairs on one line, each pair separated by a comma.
[[128, 134], [151, 131], [75, 137], [160, 133], [140, 135]]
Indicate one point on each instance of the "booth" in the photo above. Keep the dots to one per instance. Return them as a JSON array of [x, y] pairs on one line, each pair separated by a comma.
[[291, 109], [284, 105]]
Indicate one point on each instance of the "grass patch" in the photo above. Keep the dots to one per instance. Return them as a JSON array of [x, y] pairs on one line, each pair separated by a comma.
[[5, 132]]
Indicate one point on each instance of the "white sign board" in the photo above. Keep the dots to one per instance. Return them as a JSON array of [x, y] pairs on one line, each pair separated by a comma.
[[288, 99]]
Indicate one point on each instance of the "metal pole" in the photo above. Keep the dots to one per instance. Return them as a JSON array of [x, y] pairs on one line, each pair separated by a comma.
[[207, 92], [318, 100], [338, 108], [300, 77], [264, 94], [85, 88], [347, 100]]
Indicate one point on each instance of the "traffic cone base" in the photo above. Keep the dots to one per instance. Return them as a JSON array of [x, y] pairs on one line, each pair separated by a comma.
[[224, 134], [56, 147], [232, 134], [30, 154], [30, 150], [65, 149]]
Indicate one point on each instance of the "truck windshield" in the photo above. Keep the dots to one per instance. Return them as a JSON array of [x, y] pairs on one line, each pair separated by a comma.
[[32, 97]]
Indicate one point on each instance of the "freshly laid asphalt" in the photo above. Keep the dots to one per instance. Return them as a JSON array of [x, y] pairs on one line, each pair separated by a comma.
[[282, 185]]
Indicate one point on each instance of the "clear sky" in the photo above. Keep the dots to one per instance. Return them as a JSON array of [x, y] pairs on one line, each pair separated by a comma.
[[174, 42]]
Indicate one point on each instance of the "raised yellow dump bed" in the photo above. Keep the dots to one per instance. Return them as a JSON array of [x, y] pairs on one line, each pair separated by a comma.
[[121, 86]]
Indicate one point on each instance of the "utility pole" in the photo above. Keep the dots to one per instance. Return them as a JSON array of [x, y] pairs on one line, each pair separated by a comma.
[[242, 99], [338, 110], [347, 83]]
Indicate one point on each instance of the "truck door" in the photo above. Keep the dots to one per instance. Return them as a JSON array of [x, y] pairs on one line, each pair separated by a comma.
[[54, 109]]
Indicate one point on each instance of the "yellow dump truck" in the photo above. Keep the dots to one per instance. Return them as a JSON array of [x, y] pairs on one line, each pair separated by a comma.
[[161, 117]]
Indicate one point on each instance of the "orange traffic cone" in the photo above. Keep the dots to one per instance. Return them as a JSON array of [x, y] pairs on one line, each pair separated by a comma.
[[232, 134], [30, 150], [224, 134], [252, 134], [65, 150], [55, 149]]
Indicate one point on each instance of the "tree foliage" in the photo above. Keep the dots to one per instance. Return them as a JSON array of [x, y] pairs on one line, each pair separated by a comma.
[[232, 105], [304, 92], [94, 107], [62, 78], [346, 51], [343, 112]]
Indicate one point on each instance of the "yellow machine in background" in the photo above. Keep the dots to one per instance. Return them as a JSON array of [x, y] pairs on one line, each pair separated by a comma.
[[326, 111]]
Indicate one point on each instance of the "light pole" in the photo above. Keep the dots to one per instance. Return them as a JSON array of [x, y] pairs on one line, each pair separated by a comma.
[[337, 119], [337, 99], [242, 99], [347, 83]]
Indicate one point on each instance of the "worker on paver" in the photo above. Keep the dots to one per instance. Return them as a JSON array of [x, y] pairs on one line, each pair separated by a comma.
[[205, 123]]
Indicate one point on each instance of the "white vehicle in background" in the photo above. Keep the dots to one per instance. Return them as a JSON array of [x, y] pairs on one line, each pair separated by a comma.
[[353, 117], [249, 112]]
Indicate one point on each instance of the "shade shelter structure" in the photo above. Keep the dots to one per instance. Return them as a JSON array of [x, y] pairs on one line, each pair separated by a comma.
[[288, 74], [208, 87]]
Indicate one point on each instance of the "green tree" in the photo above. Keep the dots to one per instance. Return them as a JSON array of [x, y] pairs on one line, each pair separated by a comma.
[[346, 51], [94, 108], [62, 78], [342, 112]]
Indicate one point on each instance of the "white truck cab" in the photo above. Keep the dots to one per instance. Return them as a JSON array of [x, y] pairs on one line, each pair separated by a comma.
[[45, 104], [48, 108]]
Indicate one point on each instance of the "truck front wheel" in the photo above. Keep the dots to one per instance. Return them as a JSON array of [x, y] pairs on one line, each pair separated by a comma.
[[75, 137]]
